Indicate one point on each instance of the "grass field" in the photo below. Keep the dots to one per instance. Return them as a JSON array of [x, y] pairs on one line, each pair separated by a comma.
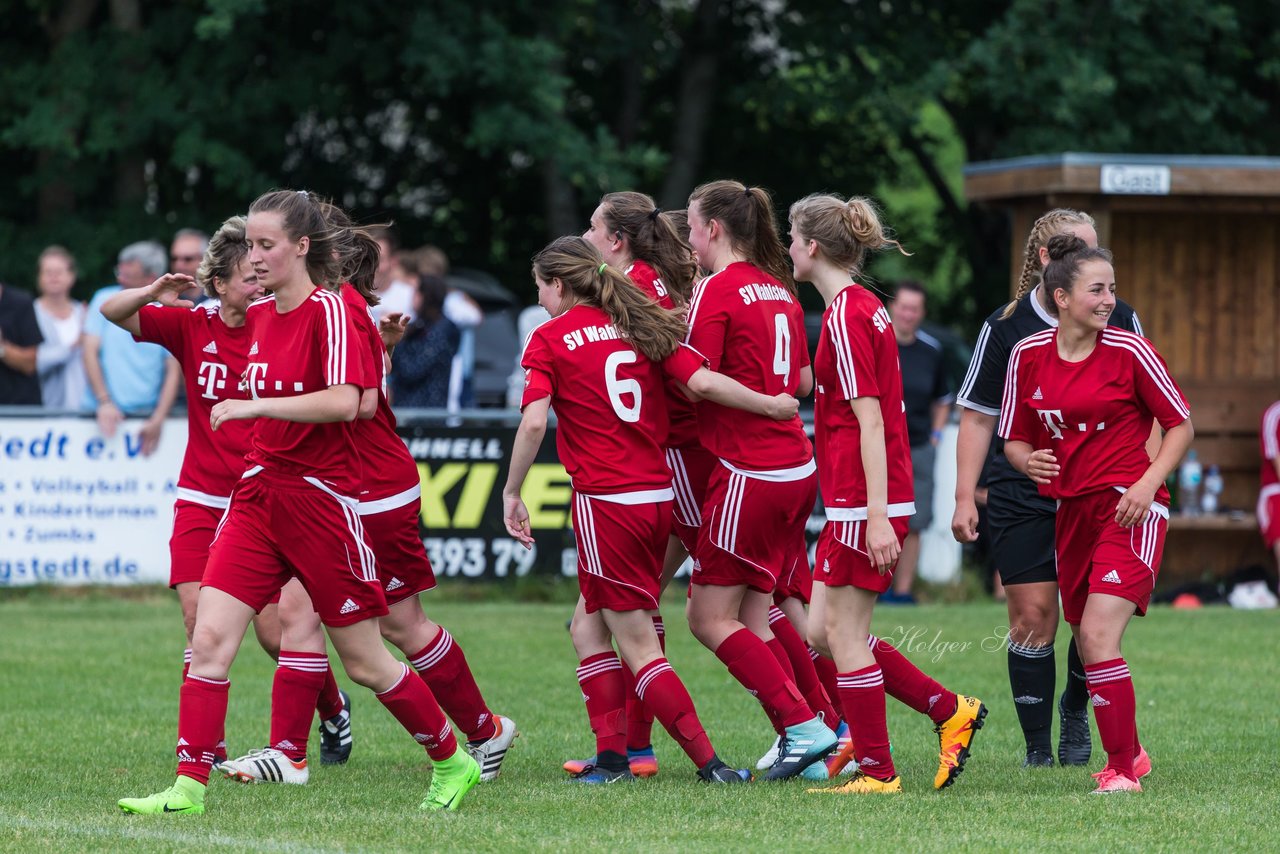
[[89, 713]]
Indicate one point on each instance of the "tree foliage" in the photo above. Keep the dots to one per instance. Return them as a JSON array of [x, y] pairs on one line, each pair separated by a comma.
[[489, 126]]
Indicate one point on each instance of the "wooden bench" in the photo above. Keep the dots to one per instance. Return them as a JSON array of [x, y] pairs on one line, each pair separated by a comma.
[[1227, 417]]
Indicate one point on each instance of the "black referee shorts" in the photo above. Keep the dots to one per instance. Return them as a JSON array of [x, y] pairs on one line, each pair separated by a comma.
[[1021, 533]]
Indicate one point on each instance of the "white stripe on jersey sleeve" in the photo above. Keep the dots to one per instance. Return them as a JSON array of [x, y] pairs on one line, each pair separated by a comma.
[[336, 321], [1270, 429], [1150, 362], [1137, 325], [839, 332], [1010, 399], [971, 375], [328, 321], [695, 302]]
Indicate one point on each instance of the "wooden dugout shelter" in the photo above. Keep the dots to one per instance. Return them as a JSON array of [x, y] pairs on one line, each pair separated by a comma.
[[1197, 253]]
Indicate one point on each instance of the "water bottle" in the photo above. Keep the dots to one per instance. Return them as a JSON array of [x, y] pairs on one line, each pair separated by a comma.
[[1212, 489], [1190, 474]]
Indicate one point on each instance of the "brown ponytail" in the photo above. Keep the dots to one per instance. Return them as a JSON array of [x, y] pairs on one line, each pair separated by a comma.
[[654, 239], [746, 215], [1053, 223], [647, 326]]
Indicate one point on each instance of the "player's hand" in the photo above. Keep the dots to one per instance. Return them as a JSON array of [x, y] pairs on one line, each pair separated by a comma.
[[783, 407], [232, 410], [964, 522], [391, 327], [109, 418], [882, 543], [1042, 466], [167, 289], [516, 517], [150, 435], [1134, 504]]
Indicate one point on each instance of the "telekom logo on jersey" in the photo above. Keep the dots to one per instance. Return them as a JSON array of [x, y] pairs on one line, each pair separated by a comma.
[[213, 378], [1055, 423]]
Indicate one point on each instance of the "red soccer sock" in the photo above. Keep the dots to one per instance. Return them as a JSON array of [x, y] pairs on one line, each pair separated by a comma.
[[329, 703], [639, 715], [661, 690], [806, 677], [411, 702], [444, 668], [1115, 710], [755, 667], [600, 677], [202, 714], [298, 680], [908, 685], [826, 670], [862, 696]]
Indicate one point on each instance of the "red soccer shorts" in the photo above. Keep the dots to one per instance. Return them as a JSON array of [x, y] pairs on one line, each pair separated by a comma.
[[1269, 514], [691, 470], [193, 527], [403, 567], [751, 527], [280, 526], [796, 581], [843, 561], [620, 550], [1096, 555]]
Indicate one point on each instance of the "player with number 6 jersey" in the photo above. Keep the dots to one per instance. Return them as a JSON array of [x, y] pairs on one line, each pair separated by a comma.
[[1078, 407], [600, 361]]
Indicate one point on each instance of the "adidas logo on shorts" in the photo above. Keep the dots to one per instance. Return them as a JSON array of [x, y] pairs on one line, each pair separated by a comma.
[[211, 348], [348, 607], [1038, 395], [394, 584], [1112, 577]]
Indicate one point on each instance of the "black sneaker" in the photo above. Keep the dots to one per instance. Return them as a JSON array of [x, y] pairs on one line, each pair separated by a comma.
[[335, 735], [715, 771], [1075, 744], [1037, 759]]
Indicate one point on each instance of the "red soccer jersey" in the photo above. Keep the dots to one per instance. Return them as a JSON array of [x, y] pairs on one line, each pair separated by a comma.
[[682, 419], [1095, 414], [646, 278], [858, 357], [309, 349], [608, 399], [1270, 443], [750, 328], [213, 358], [389, 468]]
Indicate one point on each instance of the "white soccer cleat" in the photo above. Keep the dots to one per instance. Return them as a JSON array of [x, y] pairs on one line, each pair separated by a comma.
[[766, 762], [266, 766], [489, 753]]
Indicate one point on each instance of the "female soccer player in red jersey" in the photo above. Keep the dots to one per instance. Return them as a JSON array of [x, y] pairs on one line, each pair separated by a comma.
[[294, 512], [635, 236], [1021, 520], [1078, 407], [600, 361], [211, 343], [865, 470], [1269, 494], [745, 318]]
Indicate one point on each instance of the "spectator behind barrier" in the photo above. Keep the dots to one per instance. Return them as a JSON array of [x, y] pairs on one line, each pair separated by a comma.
[[395, 294], [421, 363], [19, 339], [59, 361], [188, 247], [126, 377], [927, 398]]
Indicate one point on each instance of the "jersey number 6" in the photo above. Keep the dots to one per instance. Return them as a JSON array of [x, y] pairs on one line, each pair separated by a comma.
[[618, 387]]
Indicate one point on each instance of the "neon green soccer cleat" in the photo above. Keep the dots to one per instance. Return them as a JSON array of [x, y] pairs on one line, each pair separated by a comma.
[[184, 797], [450, 782]]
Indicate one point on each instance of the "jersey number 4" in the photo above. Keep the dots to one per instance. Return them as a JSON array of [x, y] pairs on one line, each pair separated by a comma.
[[782, 348], [618, 387]]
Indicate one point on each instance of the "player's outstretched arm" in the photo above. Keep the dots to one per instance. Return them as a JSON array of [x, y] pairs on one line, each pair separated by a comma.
[[122, 308], [533, 426], [706, 384]]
